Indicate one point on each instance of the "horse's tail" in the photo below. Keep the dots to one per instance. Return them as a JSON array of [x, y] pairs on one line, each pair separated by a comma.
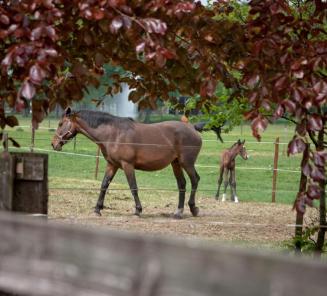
[[200, 127]]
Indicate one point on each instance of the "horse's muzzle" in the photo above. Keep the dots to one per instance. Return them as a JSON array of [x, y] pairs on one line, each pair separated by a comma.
[[57, 146]]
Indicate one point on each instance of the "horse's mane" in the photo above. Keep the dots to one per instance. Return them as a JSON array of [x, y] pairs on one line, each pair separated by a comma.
[[236, 143], [96, 118]]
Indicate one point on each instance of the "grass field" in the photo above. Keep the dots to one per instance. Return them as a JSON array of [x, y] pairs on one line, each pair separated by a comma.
[[254, 176]]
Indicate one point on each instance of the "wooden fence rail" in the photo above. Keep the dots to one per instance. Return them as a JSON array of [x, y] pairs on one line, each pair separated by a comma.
[[47, 258]]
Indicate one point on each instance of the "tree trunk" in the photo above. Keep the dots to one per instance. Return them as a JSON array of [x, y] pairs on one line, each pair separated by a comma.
[[322, 207], [302, 190]]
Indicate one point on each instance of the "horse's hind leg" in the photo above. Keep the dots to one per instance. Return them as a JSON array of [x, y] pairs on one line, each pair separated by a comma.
[[232, 181], [225, 184], [220, 180], [195, 178], [181, 183], [108, 176], [130, 175]]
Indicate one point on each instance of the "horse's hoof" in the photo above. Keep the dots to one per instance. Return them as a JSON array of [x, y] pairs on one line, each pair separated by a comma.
[[217, 197], [138, 212], [195, 211], [178, 215], [97, 213]]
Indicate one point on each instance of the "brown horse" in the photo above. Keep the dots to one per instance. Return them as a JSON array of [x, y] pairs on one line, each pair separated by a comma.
[[227, 167], [129, 145]]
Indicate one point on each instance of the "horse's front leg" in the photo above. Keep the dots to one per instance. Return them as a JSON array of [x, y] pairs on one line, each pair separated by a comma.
[[130, 175], [181, 183], [195, 178], [225, 184], [232, 181], [108, 176], [220, 180]]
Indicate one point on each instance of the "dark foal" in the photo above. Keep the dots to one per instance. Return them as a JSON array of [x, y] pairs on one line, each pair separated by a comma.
[[227, 169], [130, 146]]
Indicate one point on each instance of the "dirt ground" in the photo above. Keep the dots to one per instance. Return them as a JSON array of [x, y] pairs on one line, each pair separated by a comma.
[[251, 224]]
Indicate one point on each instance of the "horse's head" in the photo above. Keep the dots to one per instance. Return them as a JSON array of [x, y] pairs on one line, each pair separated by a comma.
[[242, 151], [66, 130]]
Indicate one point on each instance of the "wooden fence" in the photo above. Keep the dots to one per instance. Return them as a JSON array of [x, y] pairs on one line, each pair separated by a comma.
[[39, 257]]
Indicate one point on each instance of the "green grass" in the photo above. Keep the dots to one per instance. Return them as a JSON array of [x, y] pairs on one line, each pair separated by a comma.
[[252, 184]]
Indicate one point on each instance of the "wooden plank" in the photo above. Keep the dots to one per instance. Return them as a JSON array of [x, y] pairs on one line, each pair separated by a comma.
[[6, 181], [31, 183], [29, 167], [39, 258]]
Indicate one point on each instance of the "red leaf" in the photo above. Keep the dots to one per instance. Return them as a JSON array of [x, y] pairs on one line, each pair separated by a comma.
[[160, 60], [116, 24], [300, 204], [140, 47], [258, 125], [297, 95], [4, 19], [298, 74], [266, 105], [28, 90], [37, 74], [98, 14], [99, 59], [313, 191], [11, 121], [281, 83], [186, 7], [116, 3], [253, 81], [297, 145], [167, 53], [51, 32], [319, 158], [317, 174], [315, 122], [7, 61], [20, 105], [36, 33], [301, 128], [289, 105], [153, 25], [306, 169], [279, 112]]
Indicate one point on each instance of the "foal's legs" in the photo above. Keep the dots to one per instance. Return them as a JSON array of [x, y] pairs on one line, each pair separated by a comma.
[[232, 182], [108, 176], [195, 178], [220, 180], [225, 184], [130, 175], [181, 183]]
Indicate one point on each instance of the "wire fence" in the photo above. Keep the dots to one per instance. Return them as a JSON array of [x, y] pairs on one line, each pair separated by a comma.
[[62, 163]]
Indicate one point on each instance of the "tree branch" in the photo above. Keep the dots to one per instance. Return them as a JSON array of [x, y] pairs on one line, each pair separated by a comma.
[[313, 139], [290, 119]]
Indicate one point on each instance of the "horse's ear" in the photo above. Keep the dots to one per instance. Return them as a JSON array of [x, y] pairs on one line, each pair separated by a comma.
[[68, 111], [239, 141], [243, 142]]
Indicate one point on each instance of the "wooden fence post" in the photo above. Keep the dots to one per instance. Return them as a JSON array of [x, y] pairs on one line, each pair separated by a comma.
[[32, 139], [97, 164], [302, 189], [273, 195], [74, 144], [5, 141]]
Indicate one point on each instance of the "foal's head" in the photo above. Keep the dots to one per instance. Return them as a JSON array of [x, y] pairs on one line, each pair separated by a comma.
[[66, 130], [242, 151]]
